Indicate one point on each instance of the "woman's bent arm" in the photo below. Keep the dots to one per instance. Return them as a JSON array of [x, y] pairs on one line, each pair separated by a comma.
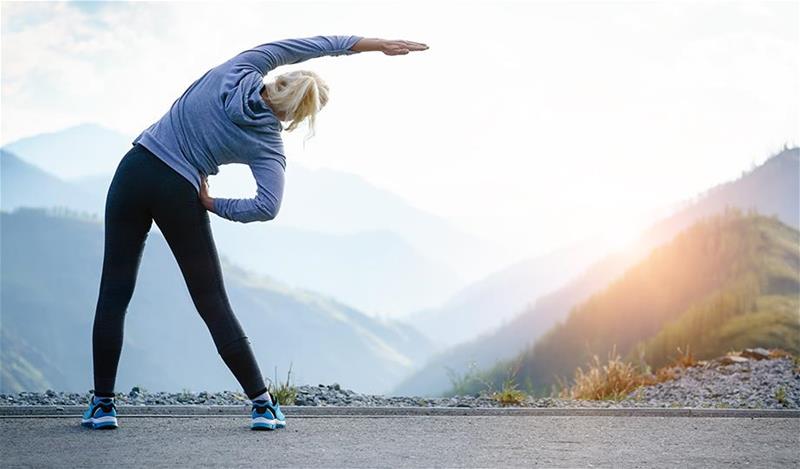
[[269, 176]]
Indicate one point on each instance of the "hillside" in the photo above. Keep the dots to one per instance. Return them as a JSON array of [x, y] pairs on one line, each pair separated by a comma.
[[772, 188], [49, 281], [23, 184], [729, 281], [486, 305]]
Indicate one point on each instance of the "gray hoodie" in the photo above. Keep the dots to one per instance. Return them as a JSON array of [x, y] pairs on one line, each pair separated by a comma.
[[221, 119]]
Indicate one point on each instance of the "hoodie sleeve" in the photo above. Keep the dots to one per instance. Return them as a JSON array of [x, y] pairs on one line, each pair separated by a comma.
[[271, 55], [269, 176], [243, 75]]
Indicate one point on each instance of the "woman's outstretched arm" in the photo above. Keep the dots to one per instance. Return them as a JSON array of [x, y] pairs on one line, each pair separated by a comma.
[[271, 55]]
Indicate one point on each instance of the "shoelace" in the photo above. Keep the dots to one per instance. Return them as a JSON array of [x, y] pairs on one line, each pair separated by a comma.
[[105, 406]]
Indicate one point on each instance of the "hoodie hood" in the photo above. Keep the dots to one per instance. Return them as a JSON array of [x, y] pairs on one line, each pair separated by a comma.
[[245, 106]]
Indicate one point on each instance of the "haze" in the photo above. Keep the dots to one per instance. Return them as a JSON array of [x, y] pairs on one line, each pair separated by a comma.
[[530, 124]]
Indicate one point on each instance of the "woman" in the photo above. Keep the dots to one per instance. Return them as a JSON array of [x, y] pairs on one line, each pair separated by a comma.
[[227, 116]]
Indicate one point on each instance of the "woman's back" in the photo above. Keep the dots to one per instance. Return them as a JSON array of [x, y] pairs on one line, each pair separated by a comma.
[[222, 118], [219, 119]]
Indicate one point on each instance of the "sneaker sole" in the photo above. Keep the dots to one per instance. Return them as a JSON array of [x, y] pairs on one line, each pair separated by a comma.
[[261, 427], [101, 423], [263, 423]]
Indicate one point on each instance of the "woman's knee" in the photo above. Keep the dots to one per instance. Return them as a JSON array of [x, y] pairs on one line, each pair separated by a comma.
[[235, 347]]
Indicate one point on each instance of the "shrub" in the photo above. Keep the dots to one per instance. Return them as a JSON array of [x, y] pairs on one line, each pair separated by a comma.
[[509, 395], [780, 396], [285, 392]]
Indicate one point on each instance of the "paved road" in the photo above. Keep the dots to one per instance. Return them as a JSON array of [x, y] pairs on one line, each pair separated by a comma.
[[410, 441]]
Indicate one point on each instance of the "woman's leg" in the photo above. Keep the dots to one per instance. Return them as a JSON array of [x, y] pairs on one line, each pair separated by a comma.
[[127, 222], [186, 226]]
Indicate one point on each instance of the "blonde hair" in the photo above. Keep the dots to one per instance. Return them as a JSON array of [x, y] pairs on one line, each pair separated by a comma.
[[300, 95]]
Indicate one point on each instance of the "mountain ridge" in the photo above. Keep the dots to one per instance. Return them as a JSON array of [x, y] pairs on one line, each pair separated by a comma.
[[723, 268], [528, 325]]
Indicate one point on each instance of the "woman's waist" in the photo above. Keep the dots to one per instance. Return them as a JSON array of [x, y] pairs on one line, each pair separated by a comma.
[[168, 161]]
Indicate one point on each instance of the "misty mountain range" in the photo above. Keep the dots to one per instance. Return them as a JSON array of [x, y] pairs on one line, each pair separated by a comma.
[[380, 256], [397, 257]]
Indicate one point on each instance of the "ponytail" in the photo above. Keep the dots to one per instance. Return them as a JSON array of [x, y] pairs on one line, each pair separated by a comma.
[[300, 95]]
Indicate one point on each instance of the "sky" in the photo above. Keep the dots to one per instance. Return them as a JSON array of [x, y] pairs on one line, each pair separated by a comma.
[[531, 124]]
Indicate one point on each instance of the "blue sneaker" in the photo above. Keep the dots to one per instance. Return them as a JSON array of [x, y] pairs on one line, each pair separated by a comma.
[[101, 414], [267, 416]]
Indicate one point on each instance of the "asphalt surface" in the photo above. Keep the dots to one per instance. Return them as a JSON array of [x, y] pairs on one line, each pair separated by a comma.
[[470, 440]]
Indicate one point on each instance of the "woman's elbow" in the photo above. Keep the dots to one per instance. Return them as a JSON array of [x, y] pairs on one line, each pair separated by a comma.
[[267, 211]]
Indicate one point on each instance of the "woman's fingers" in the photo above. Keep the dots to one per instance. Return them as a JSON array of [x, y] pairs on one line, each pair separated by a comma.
[[415, 45], [203, 186], [395, 48], [401, 47]]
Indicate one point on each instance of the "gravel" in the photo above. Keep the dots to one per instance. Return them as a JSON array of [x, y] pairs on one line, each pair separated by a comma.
[[751, 383]]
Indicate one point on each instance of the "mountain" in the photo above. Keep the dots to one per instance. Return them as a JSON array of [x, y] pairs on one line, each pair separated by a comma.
[[330, 201], [86, 149], [24, 367], [50, 278], [380, 255], [375, 271], [321, 200], [486, 305], [772, 188], [22, 184], [780, 174], [727, 282], [336, 203]]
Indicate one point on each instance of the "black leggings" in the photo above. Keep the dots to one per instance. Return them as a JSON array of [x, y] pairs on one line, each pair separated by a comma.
[[145, 189]]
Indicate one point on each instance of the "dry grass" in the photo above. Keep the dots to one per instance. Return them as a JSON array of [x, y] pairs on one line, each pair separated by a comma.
[[616, 379], [680, 361], [613, 380], [684, 359], [780, 353]]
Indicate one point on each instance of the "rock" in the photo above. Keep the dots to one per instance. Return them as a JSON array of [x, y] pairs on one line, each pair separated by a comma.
[[757, 353], [753, 385], [732, 360]]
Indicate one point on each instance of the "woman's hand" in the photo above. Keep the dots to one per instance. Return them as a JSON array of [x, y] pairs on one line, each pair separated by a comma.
[[388, 47], [401, 47], [205, 199]]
